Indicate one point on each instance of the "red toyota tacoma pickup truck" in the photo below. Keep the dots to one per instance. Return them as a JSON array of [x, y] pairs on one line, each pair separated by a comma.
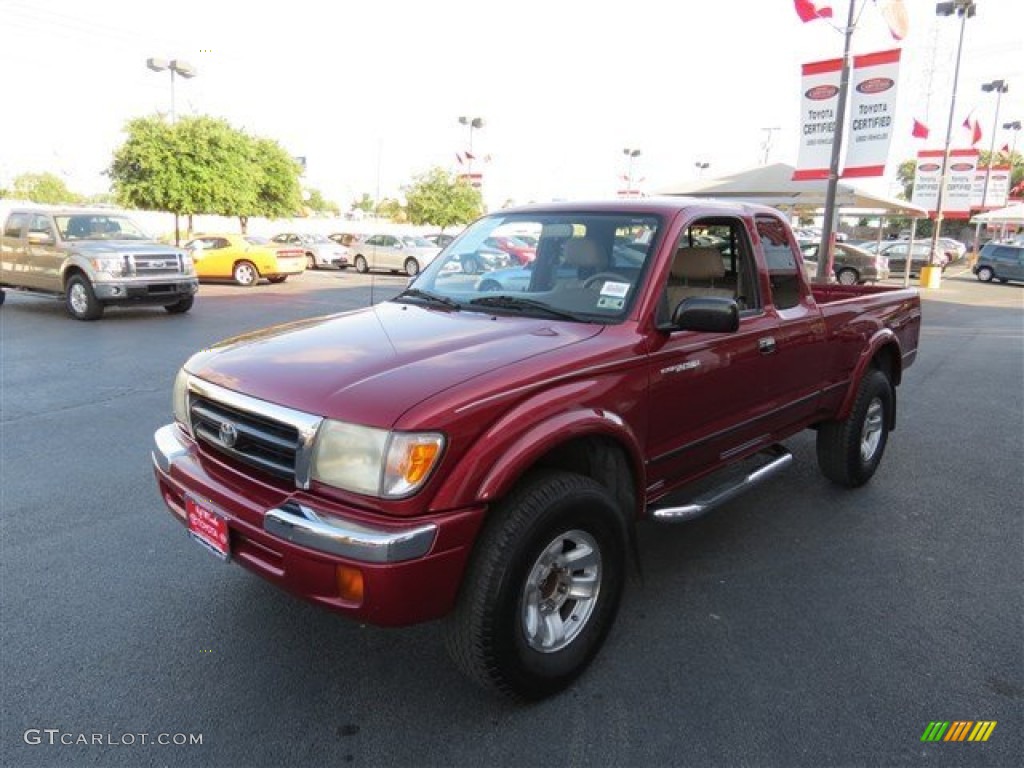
[[481, 447]]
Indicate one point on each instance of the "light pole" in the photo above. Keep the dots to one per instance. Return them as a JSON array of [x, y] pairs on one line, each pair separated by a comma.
[[176, 67], [474, 123], [631, 155], [1015, 127], [965, 9], [766, 145], [701, 167], [1000, 87]]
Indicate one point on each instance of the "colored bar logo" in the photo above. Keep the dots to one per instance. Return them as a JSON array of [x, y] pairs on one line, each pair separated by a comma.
[[958, 730]]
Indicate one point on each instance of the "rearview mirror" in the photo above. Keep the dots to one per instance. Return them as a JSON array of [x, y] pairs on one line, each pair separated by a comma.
[[709, 314]]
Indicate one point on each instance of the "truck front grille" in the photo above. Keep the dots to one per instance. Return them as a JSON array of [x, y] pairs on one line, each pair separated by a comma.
[[252, 439], [159, 264]]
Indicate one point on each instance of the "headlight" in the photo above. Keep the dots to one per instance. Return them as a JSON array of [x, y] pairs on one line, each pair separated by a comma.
[[188, 266], [111, 265], [374, 462], [179, 400]]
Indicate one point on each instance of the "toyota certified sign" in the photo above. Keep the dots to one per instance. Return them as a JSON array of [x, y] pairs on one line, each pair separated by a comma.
[[876, 85], [821, 92]]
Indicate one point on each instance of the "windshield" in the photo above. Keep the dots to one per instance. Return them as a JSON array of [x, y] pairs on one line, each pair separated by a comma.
[[318, 239], [256, 240], [588, 266], [418, 242], [98, 226]]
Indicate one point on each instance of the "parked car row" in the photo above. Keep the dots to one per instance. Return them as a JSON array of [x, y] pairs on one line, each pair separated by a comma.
[[850, 265], [244, 258]]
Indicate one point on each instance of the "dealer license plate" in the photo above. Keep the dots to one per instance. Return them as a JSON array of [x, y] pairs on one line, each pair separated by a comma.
[[208, 527]]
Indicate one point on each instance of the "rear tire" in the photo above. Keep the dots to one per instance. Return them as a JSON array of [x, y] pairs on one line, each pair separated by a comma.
[[849, 451], [847, 276], [310, 261], [278, 278], [542, 588], [81, 301], [181, 306], [246, 274]]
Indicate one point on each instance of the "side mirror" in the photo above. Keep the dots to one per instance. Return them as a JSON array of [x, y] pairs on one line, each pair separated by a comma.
[[709, 314], [41, 238]]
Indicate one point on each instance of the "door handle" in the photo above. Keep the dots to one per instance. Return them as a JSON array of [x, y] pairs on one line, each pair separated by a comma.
[[766, 345]]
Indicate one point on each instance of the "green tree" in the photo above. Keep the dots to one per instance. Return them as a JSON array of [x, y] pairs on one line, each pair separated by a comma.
[[42, 188], [364, 204], [278, 192], [439, 198], [317, 203], [391, 209]]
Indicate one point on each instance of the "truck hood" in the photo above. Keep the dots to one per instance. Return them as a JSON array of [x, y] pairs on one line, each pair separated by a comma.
[[372, 365], [135, 247]]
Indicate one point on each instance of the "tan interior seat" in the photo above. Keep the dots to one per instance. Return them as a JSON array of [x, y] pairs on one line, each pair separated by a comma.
[[586, 256], [697, 271]]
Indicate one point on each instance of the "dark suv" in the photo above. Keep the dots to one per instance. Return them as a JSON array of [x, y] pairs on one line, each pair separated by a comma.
[[1001, 261]]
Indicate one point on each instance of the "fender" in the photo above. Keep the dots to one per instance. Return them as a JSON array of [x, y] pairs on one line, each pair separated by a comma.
[[883, 338], [501, 455]]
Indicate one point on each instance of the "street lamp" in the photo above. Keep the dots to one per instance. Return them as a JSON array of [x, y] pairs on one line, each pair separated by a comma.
[[631, 155], [176, 67], [474, 123], [1000, 87], [1015, 127], [965, 9], [701, 167]]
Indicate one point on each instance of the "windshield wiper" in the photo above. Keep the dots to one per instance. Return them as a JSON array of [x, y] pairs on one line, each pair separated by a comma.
[[519, 304], [430, 298]]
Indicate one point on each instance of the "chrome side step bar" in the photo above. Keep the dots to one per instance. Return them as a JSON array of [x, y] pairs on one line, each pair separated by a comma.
[[780, 458]]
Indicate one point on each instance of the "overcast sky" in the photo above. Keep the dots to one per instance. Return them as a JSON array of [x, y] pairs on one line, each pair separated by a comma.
[[371, 92]]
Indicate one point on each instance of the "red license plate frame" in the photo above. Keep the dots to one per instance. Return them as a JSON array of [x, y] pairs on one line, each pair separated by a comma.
[[209, 527]]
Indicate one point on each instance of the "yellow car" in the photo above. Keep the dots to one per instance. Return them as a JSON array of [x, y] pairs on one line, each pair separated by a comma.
[[244, 258]]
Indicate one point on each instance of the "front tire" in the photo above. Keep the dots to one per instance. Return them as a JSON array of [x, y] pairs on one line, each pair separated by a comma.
[[246, 274], [542, 588], [181, 306], [985, 274], [849, 451], [412, 267], [81, 301], [278, 279], [361, 266], [310, 261]]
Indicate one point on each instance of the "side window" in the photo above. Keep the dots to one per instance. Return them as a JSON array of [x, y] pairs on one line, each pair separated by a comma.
[[41, 224], [16, 224], [374, 240], [218, 242], [279, 239], [713, 257], [780, 259]]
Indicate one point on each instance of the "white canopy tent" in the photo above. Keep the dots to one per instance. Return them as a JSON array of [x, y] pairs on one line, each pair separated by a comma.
[[773, 185], [1011, 214]]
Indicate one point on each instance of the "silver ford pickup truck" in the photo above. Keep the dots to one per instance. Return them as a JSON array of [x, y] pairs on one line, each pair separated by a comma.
[[91, 260]]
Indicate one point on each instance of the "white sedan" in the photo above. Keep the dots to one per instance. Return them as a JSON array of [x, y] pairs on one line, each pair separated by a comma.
[[396, 253]]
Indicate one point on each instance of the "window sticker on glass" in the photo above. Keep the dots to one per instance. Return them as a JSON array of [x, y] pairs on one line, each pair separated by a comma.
[[607, 302], [619, 290]]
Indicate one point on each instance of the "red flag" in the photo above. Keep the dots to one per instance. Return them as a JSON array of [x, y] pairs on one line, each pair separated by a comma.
[[976, 133], [458, 156], [895, 15], [808, 11], [920, 130], [470, 156], [1005, 149]]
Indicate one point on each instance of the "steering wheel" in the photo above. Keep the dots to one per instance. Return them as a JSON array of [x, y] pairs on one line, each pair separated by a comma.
[[593, 280]]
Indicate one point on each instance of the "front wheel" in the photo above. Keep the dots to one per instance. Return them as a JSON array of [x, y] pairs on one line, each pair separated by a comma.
[[542, 588], [361, 266], [81, 300], [278, 278], [181, 306], [849, 451], [412, 267], [985, 274], [310, 261], [246, 274], [847, 277]]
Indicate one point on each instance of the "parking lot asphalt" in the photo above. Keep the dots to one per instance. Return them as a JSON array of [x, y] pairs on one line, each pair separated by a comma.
[[800, 625]]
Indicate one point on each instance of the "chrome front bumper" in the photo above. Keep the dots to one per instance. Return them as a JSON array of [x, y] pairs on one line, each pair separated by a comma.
[[303, 526]]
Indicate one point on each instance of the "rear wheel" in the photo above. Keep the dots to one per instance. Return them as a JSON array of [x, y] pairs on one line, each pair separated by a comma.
[[246, 274], [278, 278], [181, 306], [847, 276], [412, 267], [849, 451], [985, 274], [361, 266], [542, 589], [81, 301], [310, 261]]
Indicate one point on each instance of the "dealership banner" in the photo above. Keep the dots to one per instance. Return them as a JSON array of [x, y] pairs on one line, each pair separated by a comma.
[[998, 187], [872, 112], [818, 107], [960, 171]]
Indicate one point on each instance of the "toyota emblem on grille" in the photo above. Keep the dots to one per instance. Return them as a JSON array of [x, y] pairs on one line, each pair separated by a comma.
[[228, 434], [157, 264]]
